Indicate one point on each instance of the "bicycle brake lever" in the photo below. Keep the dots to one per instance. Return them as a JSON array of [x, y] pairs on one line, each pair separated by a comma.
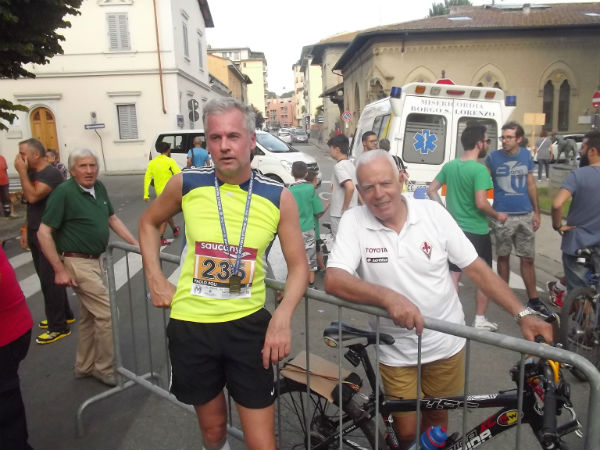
[[578, 431]]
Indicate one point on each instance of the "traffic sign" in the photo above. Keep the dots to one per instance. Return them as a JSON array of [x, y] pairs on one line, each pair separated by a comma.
[[596, 100], [346, 116], [193, 107]]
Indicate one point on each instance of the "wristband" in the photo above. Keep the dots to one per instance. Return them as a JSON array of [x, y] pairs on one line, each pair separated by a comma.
[[556, 228], [526, 312]]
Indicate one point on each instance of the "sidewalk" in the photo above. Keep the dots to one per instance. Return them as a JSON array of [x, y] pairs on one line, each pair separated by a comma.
[[9, 226]]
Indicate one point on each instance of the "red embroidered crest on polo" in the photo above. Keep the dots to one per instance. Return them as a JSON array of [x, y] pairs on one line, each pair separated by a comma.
[[426, 248]]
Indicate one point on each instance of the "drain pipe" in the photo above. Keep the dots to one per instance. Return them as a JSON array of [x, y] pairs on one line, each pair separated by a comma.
[[160, 72]]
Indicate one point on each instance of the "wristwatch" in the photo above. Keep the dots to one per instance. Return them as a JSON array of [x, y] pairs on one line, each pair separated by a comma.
[[526, 312]]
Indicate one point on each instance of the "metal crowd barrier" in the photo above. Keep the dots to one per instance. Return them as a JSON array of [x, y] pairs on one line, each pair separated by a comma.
[[134, 317]]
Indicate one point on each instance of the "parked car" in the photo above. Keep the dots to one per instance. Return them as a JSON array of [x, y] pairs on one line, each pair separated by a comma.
[[285, 135], [272, 156], [299, 135]]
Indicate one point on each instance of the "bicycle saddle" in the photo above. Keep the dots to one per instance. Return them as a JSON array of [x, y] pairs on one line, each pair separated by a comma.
[[348, 332]]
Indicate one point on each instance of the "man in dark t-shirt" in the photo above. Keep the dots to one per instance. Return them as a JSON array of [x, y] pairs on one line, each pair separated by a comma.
[[38, 179]]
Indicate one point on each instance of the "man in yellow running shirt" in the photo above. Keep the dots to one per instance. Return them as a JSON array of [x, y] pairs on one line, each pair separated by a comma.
[[219, 332], [161, 169]]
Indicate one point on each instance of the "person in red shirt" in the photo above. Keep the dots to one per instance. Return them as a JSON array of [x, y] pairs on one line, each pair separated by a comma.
[[15, 335], [4, 195]]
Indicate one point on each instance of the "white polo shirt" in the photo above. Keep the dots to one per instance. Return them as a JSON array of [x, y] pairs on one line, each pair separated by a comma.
[[414, 263]]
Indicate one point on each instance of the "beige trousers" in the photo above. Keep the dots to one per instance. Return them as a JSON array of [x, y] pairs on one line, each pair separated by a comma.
[[95, 352]]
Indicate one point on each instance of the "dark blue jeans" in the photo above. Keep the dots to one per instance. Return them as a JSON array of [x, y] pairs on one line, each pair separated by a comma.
[[541, 164], [575, 273]]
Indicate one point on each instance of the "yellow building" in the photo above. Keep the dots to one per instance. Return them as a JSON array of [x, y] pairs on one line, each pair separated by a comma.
[[227, 72], [252, 64]]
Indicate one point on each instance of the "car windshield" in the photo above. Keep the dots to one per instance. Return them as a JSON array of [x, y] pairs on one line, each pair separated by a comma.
[[300, 132], [273, 144]]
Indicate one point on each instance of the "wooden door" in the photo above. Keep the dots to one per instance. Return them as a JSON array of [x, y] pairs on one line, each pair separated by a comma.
[[43, 127]]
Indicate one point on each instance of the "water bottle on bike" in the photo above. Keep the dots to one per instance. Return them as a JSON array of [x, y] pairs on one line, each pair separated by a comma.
[[431, 439]]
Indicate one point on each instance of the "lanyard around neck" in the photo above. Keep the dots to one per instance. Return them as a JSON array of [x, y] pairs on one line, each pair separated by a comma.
[[238, 257]]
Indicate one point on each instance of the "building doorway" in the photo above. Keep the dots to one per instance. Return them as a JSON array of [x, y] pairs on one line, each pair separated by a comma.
[[43, 128]]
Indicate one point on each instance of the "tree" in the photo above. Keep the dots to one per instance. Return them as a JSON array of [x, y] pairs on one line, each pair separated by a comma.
[[27, 35], [260, 120], [441, 9]]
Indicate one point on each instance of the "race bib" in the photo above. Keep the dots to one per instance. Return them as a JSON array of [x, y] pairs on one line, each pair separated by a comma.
[[213, 267]]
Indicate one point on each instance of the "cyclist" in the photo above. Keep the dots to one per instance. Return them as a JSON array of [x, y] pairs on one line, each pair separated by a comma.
[[393, 253], [582, 229], [219, 332]]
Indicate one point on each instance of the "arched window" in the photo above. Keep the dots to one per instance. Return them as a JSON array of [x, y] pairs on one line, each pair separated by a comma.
[[564, 96], [497, 85], [548, 105], [357, 108]]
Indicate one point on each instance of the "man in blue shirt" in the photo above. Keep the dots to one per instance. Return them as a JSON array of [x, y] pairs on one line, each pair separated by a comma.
[[515, 194], [582, 229], [197, 156]]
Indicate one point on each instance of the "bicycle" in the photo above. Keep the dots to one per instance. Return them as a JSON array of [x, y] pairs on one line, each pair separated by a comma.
[[309, 420], [580, 324]]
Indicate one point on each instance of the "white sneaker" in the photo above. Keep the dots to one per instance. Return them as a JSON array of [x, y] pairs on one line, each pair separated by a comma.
[[484, 324]]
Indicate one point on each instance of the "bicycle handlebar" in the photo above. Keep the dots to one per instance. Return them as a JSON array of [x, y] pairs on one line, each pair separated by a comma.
[[548, 432]]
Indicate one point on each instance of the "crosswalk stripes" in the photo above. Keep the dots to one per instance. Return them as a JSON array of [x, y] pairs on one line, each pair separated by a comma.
[[31, 283]]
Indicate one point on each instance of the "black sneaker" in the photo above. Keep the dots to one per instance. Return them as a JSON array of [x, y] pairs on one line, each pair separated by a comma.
[[542, 310]]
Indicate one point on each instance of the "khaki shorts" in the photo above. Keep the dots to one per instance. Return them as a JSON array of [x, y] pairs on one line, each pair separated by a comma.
[[517, 231], [441, 378]]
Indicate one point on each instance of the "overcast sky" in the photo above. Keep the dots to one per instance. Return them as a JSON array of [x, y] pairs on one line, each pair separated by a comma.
[[280, 29]]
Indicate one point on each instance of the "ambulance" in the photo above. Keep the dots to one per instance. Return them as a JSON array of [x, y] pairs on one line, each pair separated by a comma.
[[424, 122]]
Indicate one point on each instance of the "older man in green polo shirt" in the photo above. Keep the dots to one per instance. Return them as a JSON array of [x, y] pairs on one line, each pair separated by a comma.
[[73, 234]]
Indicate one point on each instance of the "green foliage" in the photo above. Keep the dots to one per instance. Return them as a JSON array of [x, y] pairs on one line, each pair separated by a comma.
[[28, 35], [545, 202], [441, 9]]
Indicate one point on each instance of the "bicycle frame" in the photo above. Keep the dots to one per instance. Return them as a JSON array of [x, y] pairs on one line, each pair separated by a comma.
[[502, 420]]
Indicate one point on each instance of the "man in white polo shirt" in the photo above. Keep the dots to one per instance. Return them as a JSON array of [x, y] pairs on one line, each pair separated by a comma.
[[393, 253]]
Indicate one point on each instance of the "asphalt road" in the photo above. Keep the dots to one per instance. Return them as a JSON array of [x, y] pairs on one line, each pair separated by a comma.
[[136, 419]]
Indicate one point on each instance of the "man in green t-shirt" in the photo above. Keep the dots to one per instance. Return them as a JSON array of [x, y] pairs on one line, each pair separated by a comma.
[[309, 207], [73, 233], [467, 183]]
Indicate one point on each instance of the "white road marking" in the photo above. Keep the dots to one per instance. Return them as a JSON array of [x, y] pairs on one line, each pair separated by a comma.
[[31, 284]]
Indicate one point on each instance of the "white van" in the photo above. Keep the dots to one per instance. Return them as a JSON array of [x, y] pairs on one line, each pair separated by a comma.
[[272, 156], [424, 122]]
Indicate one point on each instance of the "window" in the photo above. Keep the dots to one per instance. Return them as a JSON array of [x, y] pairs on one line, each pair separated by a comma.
[[200, 55], [118, 32], [564, 95], [491, 129], [548, 104], [424, 139], [128, 128], [186, 48], [380, 126]]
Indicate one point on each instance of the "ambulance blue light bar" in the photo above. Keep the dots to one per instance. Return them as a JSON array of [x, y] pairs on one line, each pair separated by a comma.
[[396, 92], [511, 100]]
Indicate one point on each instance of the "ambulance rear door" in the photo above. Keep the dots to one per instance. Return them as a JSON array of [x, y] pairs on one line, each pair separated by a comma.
[[430, 127]]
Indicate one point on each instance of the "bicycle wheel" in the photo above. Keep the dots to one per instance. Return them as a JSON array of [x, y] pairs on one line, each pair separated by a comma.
[[297, 407], [579, 326]]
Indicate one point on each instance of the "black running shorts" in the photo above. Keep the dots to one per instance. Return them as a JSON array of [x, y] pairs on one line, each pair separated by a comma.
[[205, 357], [483, 247]]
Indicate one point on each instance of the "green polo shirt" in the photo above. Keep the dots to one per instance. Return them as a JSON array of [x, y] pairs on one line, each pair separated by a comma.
[[79, 220]]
